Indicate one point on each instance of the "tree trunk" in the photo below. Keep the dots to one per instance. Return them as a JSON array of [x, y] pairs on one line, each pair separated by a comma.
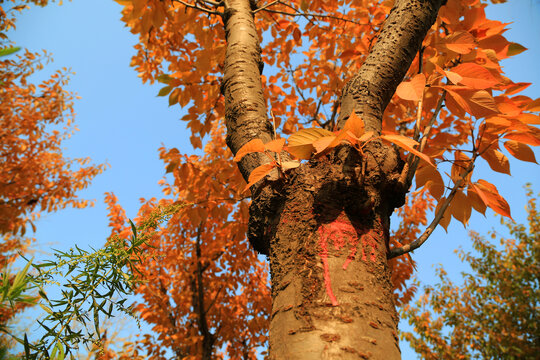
[[331, 290], [325, 225]]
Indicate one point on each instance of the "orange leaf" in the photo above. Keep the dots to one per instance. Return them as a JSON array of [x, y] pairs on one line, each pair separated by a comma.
[[259, 172], [254, 145], [490, 196], [534, 105], [453, 77], [407, 144], [323, 143], [354, 124], [275, 145], [461, 163], [475, 76], [475, 200], [482, 104], [461, 42], [527, 118], [524, 137], [497, 161], [412, 90], [430, 177], [445, 220], [460, 208], [520, 151]]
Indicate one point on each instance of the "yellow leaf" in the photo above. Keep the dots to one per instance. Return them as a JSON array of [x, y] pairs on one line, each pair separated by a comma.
[[254, 145], [286, 165], [515, 48], [300, 144]]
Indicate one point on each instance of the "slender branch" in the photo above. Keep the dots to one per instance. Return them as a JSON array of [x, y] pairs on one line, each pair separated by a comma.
[[438, 216], [266, 6], [334, 113], [195, 6], [313, 15], [214, 3], [410, 167]]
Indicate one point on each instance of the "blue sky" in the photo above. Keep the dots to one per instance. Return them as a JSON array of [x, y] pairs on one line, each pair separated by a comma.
[[123, 123]]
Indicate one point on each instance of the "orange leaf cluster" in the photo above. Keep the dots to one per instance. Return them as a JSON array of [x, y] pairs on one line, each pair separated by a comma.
[[35, 176]]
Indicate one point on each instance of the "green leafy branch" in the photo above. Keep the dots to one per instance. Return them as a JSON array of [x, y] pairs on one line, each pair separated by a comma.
[[92, 284]]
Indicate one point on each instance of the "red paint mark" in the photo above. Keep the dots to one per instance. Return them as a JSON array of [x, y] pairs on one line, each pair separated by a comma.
[[342, 233], [349, 258]]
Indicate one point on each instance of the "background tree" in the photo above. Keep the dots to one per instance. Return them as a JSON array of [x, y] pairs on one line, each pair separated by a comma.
[[204, 291], [325, 223], [35, 176], [493, 314]]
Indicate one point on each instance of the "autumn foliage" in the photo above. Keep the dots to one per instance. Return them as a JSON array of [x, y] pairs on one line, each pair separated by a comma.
[[204, 291], [35, 119], [493, 313], [455, 107]]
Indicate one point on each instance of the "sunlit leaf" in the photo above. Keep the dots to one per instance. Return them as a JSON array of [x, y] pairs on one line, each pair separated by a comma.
[[407, 144], [413, 89]]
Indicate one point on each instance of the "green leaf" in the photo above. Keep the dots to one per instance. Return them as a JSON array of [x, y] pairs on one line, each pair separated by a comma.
[[164, 79], [9, 50], [515, 48], [133, 228], [26, 347], [165, 91]]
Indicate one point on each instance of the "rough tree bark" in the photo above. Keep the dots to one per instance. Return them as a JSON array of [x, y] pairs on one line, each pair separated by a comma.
[[325, 226]]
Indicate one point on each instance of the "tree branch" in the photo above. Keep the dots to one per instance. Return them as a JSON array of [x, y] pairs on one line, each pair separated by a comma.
[[245, 105], [198, 7], [429, 230], [370, 90]]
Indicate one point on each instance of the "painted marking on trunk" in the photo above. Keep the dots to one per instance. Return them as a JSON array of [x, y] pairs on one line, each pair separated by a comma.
[[342, 233]]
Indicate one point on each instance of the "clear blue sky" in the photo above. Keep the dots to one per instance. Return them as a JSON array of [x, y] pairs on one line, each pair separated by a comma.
[[123, 123]]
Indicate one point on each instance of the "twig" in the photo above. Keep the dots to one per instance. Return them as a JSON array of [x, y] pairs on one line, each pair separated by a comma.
[[265, 6], [429, 230], [195, 6], [306, 15], [410, 167]]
